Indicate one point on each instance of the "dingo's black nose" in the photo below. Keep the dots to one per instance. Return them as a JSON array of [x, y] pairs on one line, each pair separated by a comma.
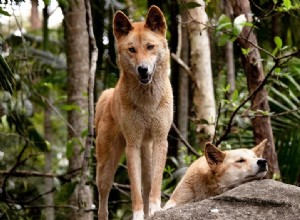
[[143, 70], [262, 162]]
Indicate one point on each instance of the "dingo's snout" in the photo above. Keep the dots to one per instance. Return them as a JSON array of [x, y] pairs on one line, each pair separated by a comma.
[[144, 74], [263, 166]]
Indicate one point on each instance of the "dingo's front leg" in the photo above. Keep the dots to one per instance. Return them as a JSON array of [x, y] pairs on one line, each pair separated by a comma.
[[158, 163], [133, 155], [146, 157]]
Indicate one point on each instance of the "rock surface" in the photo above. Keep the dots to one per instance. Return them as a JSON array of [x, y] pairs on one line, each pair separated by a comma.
[[263, 199]]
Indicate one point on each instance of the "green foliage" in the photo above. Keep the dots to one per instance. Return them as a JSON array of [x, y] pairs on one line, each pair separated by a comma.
[[3, 12], [30, 74], [229, 31]]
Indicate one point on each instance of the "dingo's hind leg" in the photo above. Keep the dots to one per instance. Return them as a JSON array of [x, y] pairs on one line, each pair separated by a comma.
[[108, 160]]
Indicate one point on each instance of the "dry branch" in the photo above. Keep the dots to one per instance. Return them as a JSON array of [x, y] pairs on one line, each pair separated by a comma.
[[183, 65], [190, 148]]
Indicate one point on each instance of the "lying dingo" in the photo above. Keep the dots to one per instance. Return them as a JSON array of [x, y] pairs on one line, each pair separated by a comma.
[[217, 172]]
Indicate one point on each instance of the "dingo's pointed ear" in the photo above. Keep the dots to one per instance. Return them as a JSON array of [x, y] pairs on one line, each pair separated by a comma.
[[121, 25], [156, 20], [259, 149], [213, 155]]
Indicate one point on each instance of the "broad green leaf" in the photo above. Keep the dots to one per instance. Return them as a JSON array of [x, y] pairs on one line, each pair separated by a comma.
[[235, 95], [223, 19], [287, 4], [3, 12], [278, 42], [191, 5], [223, 39]]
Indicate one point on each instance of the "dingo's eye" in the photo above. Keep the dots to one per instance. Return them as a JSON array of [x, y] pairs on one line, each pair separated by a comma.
[[240, 160], [131, 50], [150, 47]]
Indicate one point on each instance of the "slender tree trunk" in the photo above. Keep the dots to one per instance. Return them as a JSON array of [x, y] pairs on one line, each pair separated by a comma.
[[34, 17], [253, 68], [77, 43], [203, 96], [230, 67], [230, 60], [183, 93], [49, 184]]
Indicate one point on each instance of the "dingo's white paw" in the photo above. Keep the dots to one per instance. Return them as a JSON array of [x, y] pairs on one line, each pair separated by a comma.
[[169, 204], [139, 215], [154, 207]]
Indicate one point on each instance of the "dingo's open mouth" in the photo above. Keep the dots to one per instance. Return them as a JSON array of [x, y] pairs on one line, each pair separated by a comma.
[[145, 78]]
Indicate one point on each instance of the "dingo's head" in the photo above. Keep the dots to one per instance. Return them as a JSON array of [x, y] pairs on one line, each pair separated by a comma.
[[235, 167], [142, 46]]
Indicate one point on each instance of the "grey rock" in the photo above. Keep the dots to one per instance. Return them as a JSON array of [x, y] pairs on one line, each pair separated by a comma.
[[262, 199]]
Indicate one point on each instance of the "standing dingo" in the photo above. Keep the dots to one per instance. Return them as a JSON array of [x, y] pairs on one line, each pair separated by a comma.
[[137, 114]]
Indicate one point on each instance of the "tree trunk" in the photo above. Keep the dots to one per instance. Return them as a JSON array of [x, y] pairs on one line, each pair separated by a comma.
[[230, 61], [49, 184], [253, 68], [203, 94], [230, 67], [183, 93], [77, 49], [35, 21]]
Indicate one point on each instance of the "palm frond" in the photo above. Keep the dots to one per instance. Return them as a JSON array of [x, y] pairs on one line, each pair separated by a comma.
[[286, 99], [7, 80], [288, 155], [25, 128]]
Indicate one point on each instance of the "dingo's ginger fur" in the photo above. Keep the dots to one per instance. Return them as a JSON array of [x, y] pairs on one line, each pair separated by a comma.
[[217, 172], [137, 114]]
